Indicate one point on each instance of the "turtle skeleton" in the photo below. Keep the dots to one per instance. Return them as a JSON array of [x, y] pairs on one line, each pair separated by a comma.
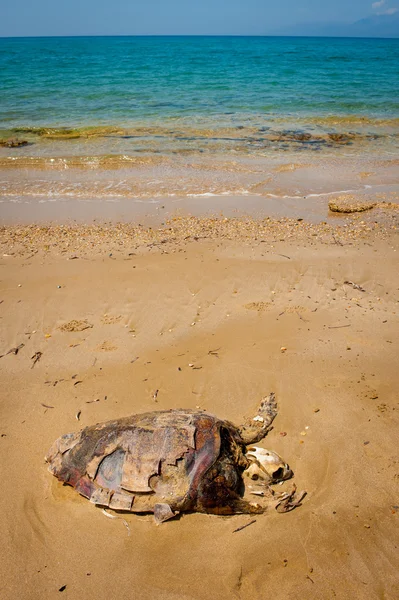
[[168, 462]]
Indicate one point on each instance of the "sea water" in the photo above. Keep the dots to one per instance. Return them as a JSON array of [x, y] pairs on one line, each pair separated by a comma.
[[146, 117], [95, 81]]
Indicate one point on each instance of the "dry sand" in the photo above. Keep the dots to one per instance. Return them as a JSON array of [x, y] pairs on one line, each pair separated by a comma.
[[156, 307]]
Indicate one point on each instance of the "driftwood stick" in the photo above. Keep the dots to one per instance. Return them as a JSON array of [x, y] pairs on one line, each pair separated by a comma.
[[244, 526]]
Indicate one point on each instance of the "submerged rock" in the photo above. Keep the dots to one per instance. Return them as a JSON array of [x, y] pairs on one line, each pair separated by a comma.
[[342, 138], [13, 143]]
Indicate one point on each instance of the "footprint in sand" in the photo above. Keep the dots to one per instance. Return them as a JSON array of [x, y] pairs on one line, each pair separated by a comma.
[[295, 309], [76, 325], [258, 306], [106, 347], [111, 319]]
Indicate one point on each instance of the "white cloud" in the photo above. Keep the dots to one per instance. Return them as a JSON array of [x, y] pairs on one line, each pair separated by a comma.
[[387, 11]]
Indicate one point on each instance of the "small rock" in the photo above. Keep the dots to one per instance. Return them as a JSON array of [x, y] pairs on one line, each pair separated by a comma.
[[13, 143], [350, 204]]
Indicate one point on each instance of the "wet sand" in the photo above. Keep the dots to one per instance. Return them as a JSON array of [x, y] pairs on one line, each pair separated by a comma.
[[160, 300], [155, 188]]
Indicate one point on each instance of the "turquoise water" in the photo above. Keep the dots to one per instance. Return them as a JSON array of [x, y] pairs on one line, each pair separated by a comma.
[[114, 119], [77, 82]]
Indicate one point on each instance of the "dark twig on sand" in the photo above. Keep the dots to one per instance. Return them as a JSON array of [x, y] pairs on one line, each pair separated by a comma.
[[244, 526], [214, 352], [13, 350], [339, 326], [356, 286], [301, 317], [36, 357]]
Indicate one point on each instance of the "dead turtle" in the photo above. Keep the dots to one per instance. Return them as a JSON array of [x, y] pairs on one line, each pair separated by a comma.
[[169, 462]]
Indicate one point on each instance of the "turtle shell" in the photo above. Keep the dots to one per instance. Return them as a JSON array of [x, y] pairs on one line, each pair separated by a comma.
[[138, 462]]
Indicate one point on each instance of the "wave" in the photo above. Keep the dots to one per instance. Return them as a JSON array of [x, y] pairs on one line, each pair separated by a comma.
[[145, 189], [79, 162], [52, 190]]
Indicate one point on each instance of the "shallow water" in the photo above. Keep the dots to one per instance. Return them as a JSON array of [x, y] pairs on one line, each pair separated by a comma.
[[149, 118], [79, 82]]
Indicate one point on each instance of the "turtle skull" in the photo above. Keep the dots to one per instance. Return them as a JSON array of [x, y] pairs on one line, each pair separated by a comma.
[[266, 465]]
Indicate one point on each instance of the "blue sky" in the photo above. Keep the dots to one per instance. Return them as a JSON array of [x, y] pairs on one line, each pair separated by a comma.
[[183, 17]]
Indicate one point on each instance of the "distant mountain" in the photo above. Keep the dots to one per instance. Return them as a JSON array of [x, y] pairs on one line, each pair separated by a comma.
[[386, 26], [377, 26]]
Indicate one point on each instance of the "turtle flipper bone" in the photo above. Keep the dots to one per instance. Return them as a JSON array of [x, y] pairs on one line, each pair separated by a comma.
[[257, 428]]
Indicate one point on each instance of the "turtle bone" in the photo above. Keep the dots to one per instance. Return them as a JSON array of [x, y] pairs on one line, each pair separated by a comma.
[[266, 465], [256, 472]]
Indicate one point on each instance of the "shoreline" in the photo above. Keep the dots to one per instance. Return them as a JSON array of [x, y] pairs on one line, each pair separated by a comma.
[[155, 188]]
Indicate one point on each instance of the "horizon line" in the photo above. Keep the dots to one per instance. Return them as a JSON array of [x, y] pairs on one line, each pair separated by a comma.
[[197, 35]]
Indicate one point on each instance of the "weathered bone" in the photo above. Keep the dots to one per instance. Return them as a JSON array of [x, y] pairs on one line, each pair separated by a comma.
[[257, 428], [255, 472], [265, 465], [163, 512]]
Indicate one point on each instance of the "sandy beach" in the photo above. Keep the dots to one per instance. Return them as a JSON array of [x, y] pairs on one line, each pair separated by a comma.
[[200, 310]]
